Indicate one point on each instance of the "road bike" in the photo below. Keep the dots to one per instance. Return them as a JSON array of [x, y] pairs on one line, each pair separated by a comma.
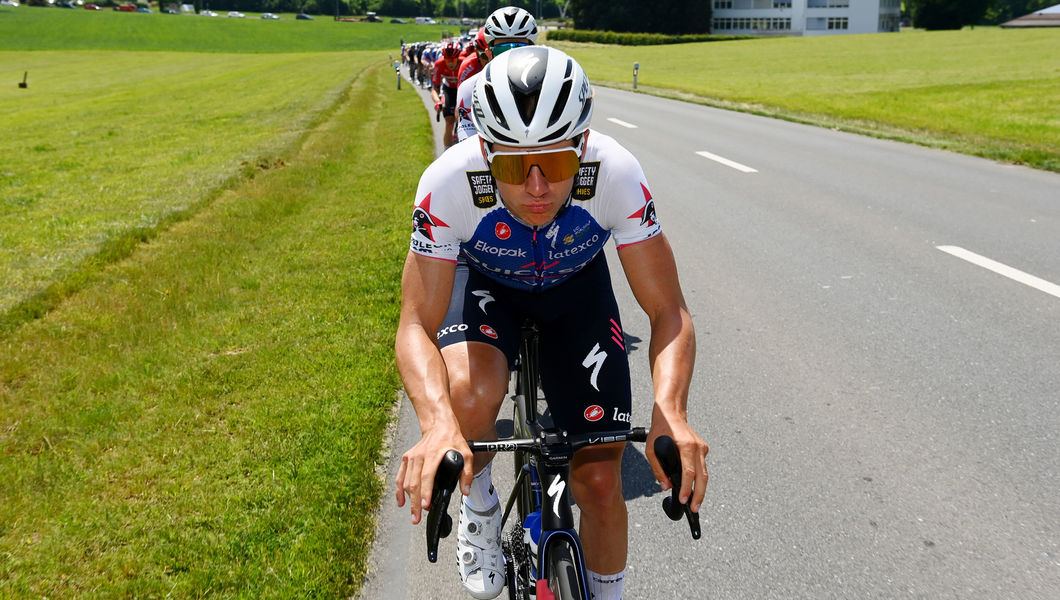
[[542, 551]]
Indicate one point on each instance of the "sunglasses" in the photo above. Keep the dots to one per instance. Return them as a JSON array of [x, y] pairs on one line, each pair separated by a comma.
[[502, 48], [558, 164]]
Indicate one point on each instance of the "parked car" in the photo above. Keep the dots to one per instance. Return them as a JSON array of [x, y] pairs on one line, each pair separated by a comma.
[[303, 17], [209, 13], [125, 8], [144, 9], [66, 5], [235, 14], [396, 20], [8, 3], [93, 7], [170, 11], [269, 16]]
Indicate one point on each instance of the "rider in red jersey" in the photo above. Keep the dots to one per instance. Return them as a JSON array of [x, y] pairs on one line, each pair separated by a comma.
[[476, 59], [443, 88]]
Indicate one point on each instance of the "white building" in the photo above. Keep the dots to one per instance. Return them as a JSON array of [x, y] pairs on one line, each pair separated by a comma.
[[804, 17]]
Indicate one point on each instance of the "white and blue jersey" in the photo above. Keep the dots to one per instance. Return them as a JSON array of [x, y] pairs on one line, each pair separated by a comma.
[[459, 216]]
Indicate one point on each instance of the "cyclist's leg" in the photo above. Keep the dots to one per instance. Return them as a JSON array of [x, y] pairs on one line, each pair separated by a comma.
[[596, 483], [479, 340], [585, 377], [478, 382]]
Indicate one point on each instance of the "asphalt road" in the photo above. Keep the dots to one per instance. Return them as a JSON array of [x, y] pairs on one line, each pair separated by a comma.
[[878, 369]]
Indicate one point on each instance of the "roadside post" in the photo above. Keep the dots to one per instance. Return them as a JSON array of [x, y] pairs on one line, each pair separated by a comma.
[[636, 67], [397, 71]]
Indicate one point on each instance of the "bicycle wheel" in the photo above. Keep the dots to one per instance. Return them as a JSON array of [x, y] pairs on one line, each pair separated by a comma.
[[564, 578]]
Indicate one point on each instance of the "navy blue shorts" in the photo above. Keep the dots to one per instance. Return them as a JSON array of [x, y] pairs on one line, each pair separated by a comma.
[[581, 349]]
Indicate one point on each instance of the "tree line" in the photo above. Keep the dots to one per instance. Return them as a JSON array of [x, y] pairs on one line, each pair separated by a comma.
[[671, 17], [954, 14]]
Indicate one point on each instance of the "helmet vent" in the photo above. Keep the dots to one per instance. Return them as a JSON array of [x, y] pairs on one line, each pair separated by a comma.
[[500, 137], [495, 107], [561, 103], [557, 135]]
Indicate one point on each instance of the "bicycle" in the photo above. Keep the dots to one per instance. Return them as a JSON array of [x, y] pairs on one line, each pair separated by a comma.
[[542, 551]]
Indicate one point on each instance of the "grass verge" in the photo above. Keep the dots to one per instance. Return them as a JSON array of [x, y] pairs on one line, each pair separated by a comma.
[[988, 92], [197, 420]]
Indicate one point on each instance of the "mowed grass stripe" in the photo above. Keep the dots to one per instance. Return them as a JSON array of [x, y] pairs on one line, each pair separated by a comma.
[[203, 418], [105, 148]]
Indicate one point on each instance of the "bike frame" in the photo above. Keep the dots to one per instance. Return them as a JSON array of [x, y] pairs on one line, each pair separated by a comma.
[[542, 461]]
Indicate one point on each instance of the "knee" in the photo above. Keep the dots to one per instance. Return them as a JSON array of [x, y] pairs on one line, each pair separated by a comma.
[[598, 487], [476, 402]]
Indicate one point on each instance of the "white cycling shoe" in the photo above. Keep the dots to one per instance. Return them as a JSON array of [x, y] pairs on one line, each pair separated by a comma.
[[478, 551]]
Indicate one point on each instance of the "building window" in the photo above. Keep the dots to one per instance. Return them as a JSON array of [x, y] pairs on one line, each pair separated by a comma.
[[838, 23], [816, 24], [722, 3], [781, 3], [828, 4]]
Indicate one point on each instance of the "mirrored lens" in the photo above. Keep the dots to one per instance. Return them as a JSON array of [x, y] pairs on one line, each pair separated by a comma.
[[502, 48], [555, 166]]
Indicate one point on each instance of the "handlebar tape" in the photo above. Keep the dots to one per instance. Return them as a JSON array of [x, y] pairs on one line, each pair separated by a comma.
[[670, 460], [439, 523]]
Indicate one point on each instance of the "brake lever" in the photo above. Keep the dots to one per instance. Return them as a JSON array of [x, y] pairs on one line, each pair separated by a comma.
[[670, 460], [439, 523]]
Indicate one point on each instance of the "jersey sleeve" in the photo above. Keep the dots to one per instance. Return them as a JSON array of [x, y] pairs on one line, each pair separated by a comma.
[[630, 210], [465, 127], [435, 217]]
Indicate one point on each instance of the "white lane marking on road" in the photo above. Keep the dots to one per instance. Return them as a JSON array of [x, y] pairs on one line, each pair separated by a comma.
[[622, 123], [1002, 269], [727, 162]]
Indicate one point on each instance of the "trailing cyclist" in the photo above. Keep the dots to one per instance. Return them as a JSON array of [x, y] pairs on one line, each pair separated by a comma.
[[506, 28], [510, 225], [443, 88]]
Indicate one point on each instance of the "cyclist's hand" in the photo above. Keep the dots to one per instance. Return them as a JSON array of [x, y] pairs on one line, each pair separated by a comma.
[[419, 464], [693, 452], [438, 106]]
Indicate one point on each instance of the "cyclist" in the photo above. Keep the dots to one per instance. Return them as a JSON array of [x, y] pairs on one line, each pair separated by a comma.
[[511, 225], [475, 58], [443, 88], [505, 28]]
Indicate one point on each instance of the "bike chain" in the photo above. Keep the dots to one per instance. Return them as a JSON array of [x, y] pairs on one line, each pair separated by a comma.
[[513, 546]]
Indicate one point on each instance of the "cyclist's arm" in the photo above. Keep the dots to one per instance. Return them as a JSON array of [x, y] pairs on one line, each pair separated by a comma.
[[426, 285], [652, 274]]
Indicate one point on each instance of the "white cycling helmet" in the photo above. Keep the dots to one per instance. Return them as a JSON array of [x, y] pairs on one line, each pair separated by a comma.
[[510, 22], [531, 96]]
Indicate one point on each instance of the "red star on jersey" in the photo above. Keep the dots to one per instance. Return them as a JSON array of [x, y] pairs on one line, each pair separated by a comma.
[[646, 214], [423, 220]]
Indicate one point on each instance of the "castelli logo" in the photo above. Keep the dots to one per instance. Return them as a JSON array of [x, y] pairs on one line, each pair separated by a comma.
[[503, 231], [594, 413], [488, 331]]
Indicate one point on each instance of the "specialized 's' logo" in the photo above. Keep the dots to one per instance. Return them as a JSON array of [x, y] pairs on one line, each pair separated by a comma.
[[595, 359], [488, 331], [486, 298], [503, 231], [423, 220], [594, 413]]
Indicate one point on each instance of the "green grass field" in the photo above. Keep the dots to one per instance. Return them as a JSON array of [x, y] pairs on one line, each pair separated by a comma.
[[202, 224], [31, 28], [197, 410], [990, 92]]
